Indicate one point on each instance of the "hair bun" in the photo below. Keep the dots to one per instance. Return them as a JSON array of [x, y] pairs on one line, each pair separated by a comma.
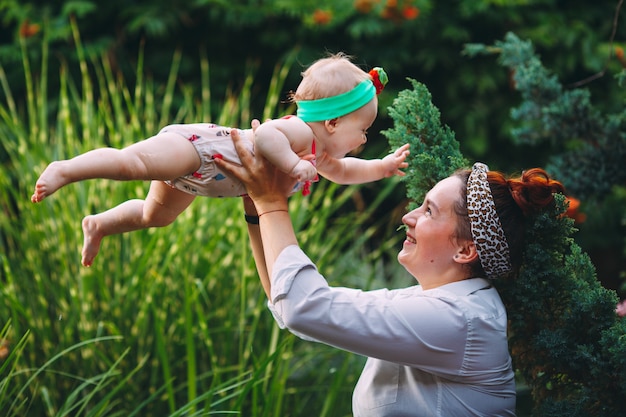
[[534, 190]]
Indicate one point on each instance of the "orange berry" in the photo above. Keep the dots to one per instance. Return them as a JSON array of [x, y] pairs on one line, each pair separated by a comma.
[[410, 12], [322, 17], [27, 29], [364, 6]]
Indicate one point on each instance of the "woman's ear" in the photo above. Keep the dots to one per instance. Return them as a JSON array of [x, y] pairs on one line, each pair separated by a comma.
[[331, 124], [466, 252]]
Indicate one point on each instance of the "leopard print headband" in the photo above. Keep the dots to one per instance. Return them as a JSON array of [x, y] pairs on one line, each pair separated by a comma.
[[487, 233]]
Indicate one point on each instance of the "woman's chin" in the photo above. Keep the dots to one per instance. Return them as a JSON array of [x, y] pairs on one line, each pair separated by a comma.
[[402, 256]]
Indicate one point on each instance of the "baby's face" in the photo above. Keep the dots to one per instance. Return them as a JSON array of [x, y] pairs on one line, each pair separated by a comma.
[[351, 130]]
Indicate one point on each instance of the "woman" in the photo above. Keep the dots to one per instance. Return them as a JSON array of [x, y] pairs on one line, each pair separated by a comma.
[[434, 349]]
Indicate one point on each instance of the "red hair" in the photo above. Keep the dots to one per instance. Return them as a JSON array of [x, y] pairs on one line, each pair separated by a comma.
[[514, 198]]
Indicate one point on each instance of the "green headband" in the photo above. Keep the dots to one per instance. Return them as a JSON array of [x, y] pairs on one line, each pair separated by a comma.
[[336, 106]]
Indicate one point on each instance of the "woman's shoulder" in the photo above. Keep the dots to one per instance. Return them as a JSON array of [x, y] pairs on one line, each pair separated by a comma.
[[476, 297]]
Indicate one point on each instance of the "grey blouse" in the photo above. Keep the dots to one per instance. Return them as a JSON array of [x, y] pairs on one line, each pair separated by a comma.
[[438, 352]]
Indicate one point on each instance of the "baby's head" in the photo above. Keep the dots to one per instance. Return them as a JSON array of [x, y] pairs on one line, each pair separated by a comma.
[[333, 87], [329, 77]]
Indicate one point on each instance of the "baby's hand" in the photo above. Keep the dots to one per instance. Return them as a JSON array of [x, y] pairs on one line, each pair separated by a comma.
[[392, 163], [304, 171]]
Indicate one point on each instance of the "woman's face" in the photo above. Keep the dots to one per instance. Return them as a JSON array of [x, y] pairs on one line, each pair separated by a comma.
[[430, 246]]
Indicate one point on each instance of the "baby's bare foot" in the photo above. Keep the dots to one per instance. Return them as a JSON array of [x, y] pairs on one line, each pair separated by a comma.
[[52, 178], [91, 240]]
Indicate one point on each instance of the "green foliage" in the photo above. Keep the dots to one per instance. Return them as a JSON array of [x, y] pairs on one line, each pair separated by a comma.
[[472, 95], [244, 40], [587, 147], [435, 153], [580, 136], [562, 321]]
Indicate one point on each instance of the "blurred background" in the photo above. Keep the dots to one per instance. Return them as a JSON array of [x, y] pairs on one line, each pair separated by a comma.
[[580, 42], [208, 55]]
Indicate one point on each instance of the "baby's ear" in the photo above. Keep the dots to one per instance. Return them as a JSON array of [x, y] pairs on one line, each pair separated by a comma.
[[331, 125]]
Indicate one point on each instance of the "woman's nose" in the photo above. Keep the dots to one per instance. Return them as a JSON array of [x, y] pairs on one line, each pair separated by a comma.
[[409, 218]]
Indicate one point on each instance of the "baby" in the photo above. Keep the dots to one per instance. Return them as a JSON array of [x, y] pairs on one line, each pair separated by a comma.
[[337, 102]]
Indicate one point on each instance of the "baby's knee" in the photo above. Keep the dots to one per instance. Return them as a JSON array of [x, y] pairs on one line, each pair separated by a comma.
[[158, 219]]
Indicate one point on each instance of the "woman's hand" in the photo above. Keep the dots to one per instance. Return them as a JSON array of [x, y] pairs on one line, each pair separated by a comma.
[[267, 186]]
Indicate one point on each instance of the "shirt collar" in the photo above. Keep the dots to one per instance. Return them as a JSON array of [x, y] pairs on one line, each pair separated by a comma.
[[466, 286]]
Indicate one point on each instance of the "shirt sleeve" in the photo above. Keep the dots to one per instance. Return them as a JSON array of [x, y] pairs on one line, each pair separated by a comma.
[[403, 326]]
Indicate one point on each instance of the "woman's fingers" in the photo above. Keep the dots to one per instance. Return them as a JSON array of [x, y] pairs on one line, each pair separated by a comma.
[[260, 177], [238, 171]]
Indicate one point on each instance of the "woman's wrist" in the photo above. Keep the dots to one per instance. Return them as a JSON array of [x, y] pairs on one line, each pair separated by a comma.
[[274, 204], [254, 210], [278, 210], [249, 211]]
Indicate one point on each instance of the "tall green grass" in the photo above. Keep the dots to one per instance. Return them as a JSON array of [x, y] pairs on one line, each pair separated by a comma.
[[167, 321]]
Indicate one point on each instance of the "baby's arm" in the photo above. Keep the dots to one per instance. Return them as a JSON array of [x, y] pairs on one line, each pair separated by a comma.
[[281, 140], [359, 171]]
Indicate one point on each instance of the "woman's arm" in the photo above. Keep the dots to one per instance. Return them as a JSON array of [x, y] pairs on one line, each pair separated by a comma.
[[254, 233], [268, 188]]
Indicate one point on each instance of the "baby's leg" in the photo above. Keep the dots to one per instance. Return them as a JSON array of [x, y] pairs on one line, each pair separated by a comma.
[[161, 207], [161, 157]]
